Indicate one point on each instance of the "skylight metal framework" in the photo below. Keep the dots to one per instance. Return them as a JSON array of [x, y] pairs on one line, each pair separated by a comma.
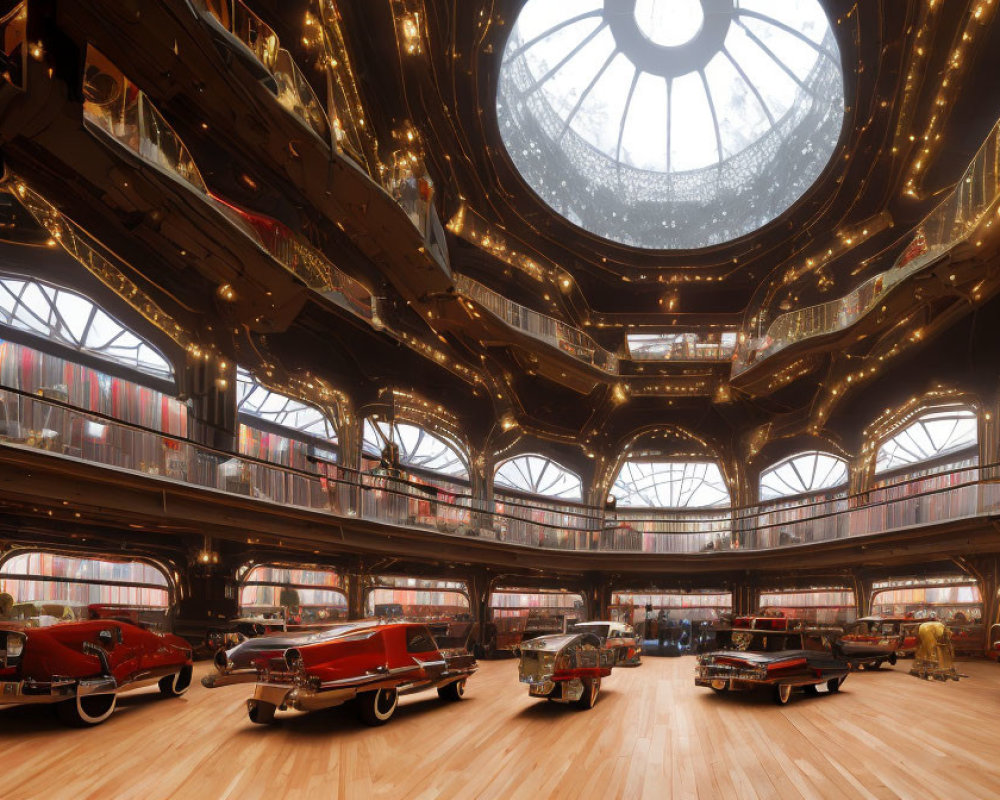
[[670, 484], [60, 315], [418, 447], [258, 401], [671, 123], [536, 474], [931, 436], [803, 473]]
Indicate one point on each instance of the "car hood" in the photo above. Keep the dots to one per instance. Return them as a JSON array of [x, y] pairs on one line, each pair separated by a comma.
[[752, 657]]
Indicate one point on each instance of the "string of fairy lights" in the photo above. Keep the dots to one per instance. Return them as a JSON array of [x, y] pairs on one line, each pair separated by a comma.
[[322, 33]]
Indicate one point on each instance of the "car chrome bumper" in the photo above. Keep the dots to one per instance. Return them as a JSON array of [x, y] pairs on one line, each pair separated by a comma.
[[21, 692]]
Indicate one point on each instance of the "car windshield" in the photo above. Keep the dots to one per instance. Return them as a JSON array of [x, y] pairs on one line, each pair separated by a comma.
[[597, 630]]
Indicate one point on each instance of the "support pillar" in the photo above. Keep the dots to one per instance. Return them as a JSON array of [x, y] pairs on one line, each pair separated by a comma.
[[746, 597], [863, 588], [209, 385], [986, 570]]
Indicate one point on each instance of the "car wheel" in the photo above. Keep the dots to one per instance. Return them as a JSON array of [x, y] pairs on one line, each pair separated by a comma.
[[261, 713], [719, 686], [810, 689], [88, 710], [377, 708], [175, 685], [453, 691], [591, 688], [892, 659], [782, 693], [833, 685], [877, 664]]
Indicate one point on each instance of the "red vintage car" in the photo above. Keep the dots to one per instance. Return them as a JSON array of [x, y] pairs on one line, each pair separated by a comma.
[[993, 645], [366, 662], [871, 641], [82, 667]]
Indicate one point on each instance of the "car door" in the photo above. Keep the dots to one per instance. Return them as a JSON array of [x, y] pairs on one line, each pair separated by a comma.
[[423, 651]]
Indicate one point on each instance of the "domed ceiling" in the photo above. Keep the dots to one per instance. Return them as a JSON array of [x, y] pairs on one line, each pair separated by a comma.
[[671, 124]]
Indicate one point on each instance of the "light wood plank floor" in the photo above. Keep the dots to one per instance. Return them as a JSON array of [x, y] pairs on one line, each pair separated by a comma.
[[652, 734]]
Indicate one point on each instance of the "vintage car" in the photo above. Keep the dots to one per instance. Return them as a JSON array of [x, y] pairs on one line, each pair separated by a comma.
[[870, 642], [617, 636], [82, 667], [566, 667], [775, 659], [367, 662]]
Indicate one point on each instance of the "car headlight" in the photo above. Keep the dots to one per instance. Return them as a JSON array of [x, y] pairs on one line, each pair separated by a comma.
[[14, 645]]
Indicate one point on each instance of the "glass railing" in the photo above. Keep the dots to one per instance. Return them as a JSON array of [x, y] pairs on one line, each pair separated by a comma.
[[291, 87], [113, 104], [295, 94], [565, 337], [116, 106], [66, 432], [951, 222]]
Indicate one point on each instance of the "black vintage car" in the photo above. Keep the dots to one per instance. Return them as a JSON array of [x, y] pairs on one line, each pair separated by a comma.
[[779, 660]]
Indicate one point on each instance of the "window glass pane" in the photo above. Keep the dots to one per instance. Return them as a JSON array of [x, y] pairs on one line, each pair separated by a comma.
[[657, 125], [418, 447], [670, 484], [536, 474], [803, 473], [72, 320], [259, 401], [50, 587], [932, 435]]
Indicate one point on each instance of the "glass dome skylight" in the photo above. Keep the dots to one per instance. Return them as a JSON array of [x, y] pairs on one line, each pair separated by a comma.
[[671, 123]]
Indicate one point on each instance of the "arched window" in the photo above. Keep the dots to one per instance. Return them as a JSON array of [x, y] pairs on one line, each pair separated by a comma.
[[803, 473], [310, 595], [52, 587], [418, 447], [259, 401], [535, 474], [932, 435], [670, 484], [60, 315]]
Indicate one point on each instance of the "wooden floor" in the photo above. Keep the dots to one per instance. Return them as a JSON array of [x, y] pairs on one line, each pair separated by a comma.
[[652, 734]]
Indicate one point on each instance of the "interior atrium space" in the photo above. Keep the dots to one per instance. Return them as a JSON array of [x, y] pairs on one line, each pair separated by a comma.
[[499, 398]]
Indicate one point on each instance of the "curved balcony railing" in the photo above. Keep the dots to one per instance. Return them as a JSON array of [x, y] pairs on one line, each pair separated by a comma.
[[951, 222], [34, 423], [547, 329]]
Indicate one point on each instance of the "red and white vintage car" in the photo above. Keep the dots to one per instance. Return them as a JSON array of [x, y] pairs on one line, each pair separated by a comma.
[[366, 662], [763, 653], [871, 641], [82, 667]]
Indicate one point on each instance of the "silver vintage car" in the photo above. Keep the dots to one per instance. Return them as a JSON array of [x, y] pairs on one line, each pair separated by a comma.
[[566, 667]]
